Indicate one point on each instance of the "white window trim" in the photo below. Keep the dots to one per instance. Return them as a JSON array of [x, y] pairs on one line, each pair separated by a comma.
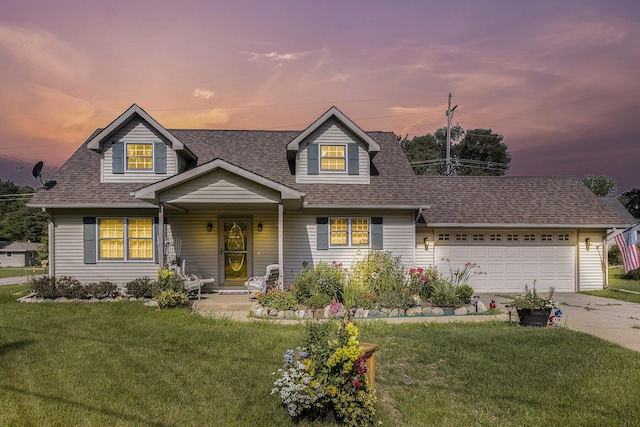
[[333, 171], [126, 157], [8, 254], [349, 231], [125, 237]]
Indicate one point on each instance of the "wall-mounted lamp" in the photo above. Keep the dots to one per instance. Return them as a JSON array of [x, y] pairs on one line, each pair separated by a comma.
[[209, 227], [259, 227], [426, 243], [587, 243]]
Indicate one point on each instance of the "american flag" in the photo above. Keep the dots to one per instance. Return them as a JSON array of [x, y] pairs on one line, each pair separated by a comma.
[[628, 245]]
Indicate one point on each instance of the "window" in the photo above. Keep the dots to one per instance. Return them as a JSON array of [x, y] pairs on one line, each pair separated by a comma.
[[495, 237], [530, 237], [478, 237], [512, 237], [546, 237], [563, 237], [332, 158], [349, 231], [137, 232], [460, 237], [443, 237], [8, 254], [140, 156]]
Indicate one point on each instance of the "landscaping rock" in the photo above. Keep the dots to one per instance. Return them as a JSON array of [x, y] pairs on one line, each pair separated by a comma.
[[318, 313], [289, 314], [376, 314], [151, 303], [437, 311], [359, 313], [394, 313], [280, 314], [461, 311], [482, 308], [340, 315], [386, 311], [327, 312], [133, 299], [413, 311]]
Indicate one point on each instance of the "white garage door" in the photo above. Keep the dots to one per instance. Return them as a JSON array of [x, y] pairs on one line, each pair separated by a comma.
[[509, 268]]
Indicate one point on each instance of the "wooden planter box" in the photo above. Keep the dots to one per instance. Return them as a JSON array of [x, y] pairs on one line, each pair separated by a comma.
[[370, 354]]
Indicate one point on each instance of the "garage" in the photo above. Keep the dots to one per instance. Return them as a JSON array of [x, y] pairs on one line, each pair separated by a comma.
[[507, 266]]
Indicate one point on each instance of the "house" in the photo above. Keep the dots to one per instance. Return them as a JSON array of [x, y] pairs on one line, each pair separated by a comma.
[[234, 201], [18, 254]]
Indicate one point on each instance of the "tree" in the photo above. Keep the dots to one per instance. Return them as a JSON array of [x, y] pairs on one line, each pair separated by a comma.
[[600, 185], [17, 221], [631, 200], [480, 152]]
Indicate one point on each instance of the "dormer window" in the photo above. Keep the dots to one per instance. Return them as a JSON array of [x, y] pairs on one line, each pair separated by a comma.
[[139, 156], [333, 158]]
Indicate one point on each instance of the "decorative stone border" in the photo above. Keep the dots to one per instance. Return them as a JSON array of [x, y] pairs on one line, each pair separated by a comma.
[[32, 298], [257, 310]]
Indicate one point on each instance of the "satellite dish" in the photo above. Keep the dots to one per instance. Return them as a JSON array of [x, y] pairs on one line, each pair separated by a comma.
[[49, 185], [37, 169]]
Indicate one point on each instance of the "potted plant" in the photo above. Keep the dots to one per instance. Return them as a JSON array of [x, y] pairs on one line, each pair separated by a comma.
[[534, 309]]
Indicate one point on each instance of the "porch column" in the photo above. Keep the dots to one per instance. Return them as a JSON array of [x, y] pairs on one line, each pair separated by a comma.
[[160, 235], [51, 229], [280, 245]]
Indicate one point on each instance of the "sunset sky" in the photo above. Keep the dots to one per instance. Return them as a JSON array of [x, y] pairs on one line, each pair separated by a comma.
[[559, 79]]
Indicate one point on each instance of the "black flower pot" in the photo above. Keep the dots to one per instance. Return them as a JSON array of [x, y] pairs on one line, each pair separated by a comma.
[[534, 317]]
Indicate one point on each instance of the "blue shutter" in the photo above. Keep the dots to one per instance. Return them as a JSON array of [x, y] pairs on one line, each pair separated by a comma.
[[89, 239], [322, 233], [312, 159], [117, 157], [376, 232], [160, 157], [353, 153]]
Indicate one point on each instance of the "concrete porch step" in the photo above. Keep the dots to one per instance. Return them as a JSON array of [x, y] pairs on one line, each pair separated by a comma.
[[218, 303]]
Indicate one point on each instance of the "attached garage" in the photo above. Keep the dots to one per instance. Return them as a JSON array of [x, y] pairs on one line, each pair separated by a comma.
[[508, 261]]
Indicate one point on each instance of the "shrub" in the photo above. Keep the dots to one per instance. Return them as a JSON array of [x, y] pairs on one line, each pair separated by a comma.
[[464, 292], [44, 286], [318, 301], [171, 299], [141, 287], [444, 294], [631, 275], [367, 301], [351, 292], [324, 278], [102, 290], [392, 299], [421, 281], [169, 280], [614, 255], [70, 287], [278, 300], [379, 271]]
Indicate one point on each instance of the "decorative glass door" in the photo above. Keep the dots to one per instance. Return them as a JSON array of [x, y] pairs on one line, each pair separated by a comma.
[[235, 251]]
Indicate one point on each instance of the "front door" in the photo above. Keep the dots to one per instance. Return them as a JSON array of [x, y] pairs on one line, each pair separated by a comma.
[[235, 250]]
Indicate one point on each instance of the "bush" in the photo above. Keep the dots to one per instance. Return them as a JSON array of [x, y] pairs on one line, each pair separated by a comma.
[[464, 292], [142, 287], [379, 271], [444, 294], [169, 280], [318, 301], [324, 278], [401, 300], [102, 290], [278, 300], [171, 299], [614, 255], [421, 281], [70, 287], [367, 301], [44, 286], [631, 275]]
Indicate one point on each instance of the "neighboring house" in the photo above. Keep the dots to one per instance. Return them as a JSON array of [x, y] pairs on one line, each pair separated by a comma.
[[18, 254], [233, 202]]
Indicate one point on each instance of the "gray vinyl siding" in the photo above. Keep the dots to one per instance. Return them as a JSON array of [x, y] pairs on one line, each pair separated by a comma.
[[136, 131], [68, 247], [591, 264], [17, 259], [300, 240], [332, 132], [222, 187]]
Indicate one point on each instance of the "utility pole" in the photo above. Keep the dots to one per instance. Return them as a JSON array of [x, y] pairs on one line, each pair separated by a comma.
[[449, 116]]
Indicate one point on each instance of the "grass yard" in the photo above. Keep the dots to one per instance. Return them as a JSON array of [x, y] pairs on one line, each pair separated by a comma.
[[123, 364], [616, 282], [20, 271]]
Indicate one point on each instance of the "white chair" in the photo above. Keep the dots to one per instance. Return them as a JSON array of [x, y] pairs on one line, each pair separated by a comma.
[[194, 282], [263, 283]]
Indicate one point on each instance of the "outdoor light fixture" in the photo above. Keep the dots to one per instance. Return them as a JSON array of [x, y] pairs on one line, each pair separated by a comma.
[[209, 227], [426, 243], [476, 299], [510, 310], [587, 242], [259, 227]]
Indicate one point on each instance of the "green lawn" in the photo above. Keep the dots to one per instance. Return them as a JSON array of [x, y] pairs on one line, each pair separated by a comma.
[[20, 271], [616, 282], [123, 364]]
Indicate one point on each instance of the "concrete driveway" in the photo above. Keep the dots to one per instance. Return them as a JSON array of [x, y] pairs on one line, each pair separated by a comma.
[[609, 319]]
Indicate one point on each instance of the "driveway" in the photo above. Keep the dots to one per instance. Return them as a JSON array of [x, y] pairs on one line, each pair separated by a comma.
[[609, 319], [13, 280]]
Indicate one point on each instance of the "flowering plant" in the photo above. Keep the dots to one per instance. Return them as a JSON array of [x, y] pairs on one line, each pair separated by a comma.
[[328, 375], [531, 300]]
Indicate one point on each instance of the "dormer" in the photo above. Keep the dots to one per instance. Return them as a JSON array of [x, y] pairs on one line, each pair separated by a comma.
[[136, 148], [332, 150]]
